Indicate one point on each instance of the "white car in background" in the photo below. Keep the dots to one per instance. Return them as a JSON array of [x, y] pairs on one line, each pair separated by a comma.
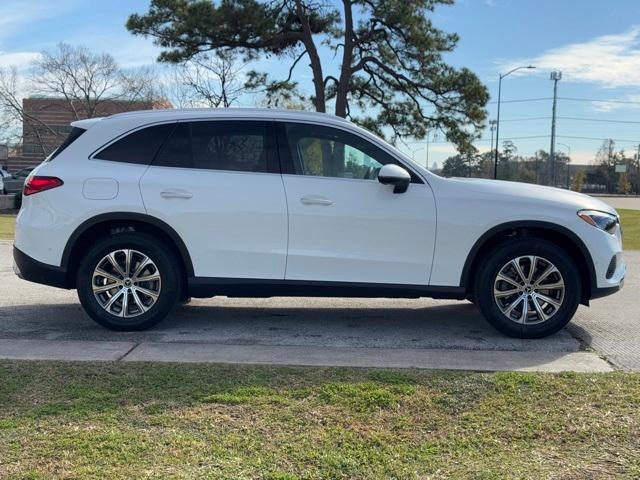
[[140, 210], [3, 175]]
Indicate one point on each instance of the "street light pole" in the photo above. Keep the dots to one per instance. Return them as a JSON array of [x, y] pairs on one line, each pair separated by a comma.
[[555, 76], [492, 128], [501, 76]]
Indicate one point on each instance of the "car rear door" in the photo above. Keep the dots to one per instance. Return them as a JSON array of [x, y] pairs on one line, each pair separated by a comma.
[[218, 184], [345, 226]]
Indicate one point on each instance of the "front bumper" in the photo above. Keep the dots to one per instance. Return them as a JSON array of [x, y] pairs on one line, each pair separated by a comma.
[[32, 270], [605, 292], [615, 281]]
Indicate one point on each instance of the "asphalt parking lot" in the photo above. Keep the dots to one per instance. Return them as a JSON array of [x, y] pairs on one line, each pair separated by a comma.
[[355, 332]]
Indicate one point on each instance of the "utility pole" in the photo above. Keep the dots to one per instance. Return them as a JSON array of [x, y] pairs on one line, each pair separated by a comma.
[[555, 76], [500, 77], [638, 171]]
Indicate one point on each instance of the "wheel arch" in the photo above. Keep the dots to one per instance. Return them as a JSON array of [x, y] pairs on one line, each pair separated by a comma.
[[557, 234], [106, 223]]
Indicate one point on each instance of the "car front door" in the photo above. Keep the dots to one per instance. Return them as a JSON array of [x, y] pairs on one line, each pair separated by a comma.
[[218, 184], [344, 225]]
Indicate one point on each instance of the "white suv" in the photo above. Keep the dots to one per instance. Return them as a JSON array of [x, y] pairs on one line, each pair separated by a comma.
[[141, 210]]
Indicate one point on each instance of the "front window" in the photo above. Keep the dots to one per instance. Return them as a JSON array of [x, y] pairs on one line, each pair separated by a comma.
[[329, 152]]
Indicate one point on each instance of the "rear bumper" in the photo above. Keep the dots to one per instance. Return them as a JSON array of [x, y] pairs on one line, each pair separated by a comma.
[[32, 270]]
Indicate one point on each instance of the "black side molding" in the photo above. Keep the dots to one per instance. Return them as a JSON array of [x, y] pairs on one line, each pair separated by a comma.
[[604, 292], [34, 271], [203, 287]]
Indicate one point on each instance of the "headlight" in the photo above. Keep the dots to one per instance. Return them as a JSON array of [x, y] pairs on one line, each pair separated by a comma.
[[602, 220]]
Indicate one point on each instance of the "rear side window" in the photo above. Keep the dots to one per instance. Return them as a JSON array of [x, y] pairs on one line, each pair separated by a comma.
[[138, 147], [176, 151], [242, 146], [72, 137]]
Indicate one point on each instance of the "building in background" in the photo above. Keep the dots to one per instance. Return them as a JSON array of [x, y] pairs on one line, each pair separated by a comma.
[[46, 123]]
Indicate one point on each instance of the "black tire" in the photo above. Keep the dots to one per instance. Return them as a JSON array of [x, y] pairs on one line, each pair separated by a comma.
[[499, 257], [156, 251]]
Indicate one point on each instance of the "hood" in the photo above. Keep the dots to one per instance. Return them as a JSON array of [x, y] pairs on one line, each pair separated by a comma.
[[518, 192]]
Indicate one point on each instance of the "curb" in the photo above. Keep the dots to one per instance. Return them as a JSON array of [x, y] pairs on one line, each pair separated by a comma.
[[438, 359]]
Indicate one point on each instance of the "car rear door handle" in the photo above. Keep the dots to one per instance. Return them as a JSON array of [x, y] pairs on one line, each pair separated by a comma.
[[175, 194], [316, 200]]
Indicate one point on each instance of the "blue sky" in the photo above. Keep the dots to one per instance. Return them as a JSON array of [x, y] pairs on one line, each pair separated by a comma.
[[595, 43]]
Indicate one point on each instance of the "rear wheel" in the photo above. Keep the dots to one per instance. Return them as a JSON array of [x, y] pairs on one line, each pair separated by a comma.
[[528, 288], [128, 281]]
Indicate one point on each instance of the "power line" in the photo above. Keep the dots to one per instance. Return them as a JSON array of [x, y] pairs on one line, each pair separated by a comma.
[[575, 99], [582, 119], [587, 119], [529, 137], [623, 140], [477, 140], [571, 99], [526, 119], [521, 100]]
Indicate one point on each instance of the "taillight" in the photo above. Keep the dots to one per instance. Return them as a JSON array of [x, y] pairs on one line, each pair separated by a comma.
[[40, 184]]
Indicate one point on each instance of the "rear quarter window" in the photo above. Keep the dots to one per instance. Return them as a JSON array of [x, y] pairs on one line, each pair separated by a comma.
[[139, 147], [74, 134]]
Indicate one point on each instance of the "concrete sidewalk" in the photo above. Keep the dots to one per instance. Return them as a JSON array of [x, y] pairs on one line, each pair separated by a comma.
[[477, 360], [630, 202]]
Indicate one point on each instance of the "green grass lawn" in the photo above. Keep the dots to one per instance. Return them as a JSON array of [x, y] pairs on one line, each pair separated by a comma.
[[7, 226], [83, 420], [630, 220]]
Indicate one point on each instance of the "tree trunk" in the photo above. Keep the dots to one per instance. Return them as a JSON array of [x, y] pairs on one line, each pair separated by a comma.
[[312, 51], [347, 59]]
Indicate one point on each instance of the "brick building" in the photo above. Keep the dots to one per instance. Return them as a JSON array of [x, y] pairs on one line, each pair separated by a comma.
[[47, 122]]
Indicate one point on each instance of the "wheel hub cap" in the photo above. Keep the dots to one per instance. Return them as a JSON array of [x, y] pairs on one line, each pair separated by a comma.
[[126, 283], [529, 290]]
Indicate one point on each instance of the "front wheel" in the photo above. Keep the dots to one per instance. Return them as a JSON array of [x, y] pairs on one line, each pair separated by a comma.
[[128, 281], [528, 288]]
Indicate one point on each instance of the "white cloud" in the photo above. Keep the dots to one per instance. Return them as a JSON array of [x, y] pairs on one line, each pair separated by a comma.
[[20, 60], [609, 61], [617, 104]]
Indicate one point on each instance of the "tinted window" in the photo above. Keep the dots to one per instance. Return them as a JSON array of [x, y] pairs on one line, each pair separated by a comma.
[[328, 152], [176, 151], [72, 137], [219, 145], [239, 146], [137, 147]]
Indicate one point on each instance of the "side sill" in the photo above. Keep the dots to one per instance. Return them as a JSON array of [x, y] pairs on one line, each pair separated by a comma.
[[204, 287], [32, 270]]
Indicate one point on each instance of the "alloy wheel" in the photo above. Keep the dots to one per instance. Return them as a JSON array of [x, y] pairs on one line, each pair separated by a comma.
[[529, 290], [126, 283]]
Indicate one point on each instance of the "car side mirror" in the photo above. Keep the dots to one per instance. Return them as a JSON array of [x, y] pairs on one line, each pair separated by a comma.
[[391, 174]]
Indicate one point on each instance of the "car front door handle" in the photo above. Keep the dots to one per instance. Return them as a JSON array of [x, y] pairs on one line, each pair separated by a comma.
[[316, 200], [175, 194]]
